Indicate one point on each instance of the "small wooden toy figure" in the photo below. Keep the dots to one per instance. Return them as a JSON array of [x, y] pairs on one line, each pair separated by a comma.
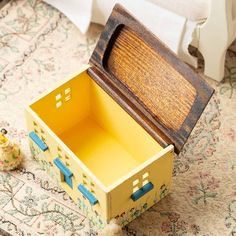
[[10, 153]]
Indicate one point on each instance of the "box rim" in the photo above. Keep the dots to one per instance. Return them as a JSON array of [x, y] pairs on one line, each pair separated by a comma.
[[106, 189]]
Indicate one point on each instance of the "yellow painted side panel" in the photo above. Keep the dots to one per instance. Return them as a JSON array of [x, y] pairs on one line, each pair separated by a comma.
[[159, 174]]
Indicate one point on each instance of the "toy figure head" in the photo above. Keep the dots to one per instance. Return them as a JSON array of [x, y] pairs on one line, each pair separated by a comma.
[[3, 139]]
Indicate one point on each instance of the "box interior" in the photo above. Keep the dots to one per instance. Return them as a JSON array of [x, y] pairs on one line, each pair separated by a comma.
[[96, 129]]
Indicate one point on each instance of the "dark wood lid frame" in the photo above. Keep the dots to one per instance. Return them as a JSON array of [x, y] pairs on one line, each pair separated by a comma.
[[151, 83]]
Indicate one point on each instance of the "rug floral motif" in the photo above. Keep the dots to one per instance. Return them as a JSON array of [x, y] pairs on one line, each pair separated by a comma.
[[39, 47]]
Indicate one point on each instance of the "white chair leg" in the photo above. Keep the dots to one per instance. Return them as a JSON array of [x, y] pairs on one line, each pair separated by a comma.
[[214, 63], [187, 38], [215, 35]]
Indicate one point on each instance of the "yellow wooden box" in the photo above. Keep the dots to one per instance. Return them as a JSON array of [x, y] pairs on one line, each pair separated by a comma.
[[108, 133]]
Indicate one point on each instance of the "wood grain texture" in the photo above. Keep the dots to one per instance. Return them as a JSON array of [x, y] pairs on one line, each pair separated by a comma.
[[155, 87], [129, 60]]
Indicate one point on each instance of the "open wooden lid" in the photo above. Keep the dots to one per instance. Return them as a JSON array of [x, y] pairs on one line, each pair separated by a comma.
[[155, 87]]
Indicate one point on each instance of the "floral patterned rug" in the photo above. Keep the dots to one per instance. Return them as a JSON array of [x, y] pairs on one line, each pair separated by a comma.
[[39, 47]]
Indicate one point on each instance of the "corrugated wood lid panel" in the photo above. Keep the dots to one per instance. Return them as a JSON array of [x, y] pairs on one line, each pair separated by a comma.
[[167, 95]]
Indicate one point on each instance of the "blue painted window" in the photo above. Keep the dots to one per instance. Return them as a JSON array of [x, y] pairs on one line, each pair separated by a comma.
[[87, 194], [68, 180], [65, 171], [40, 143], [142, 191]]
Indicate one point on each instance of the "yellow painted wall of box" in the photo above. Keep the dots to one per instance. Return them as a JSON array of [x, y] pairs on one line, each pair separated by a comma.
[[103, 147]]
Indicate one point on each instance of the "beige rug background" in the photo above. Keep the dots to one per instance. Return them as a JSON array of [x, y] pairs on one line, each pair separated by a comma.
[[39, 47]]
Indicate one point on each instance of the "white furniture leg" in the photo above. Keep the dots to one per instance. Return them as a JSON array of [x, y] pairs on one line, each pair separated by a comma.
[[215, 37], [214, 61]]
